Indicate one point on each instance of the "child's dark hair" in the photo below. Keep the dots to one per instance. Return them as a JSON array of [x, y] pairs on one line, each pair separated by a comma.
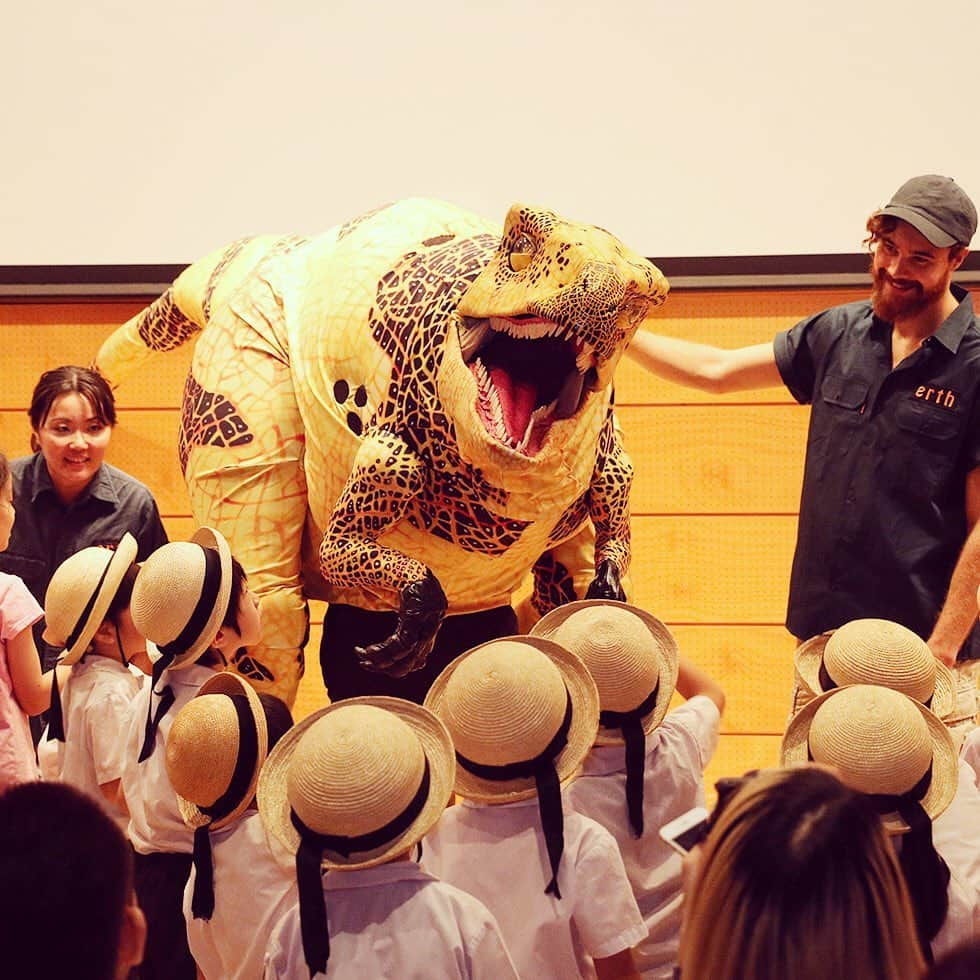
[[70, 378], [124, 594], [66, 870], [277, 717], [239, 583]]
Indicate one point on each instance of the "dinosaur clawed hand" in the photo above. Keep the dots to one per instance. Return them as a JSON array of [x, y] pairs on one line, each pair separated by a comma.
[[606, 584], [421, 611]]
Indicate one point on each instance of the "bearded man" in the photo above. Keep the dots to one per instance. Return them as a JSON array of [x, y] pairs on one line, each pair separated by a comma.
[[891, 486]]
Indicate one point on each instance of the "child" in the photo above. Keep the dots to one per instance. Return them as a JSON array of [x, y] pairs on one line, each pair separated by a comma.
[[192, 601], [877, 651], [885, 744], [237, 890], [86, 612], [647, 766], [23, 689], [352, 788], [523, 713], [66, 888]]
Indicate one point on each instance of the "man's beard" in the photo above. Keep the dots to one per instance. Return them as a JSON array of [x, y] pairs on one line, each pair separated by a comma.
[[890, 306]]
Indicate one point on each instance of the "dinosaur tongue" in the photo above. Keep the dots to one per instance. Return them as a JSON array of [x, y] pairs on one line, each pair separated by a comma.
[[517, 398]]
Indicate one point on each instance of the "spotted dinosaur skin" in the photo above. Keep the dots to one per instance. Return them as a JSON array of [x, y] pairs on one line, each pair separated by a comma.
[[411, 394]]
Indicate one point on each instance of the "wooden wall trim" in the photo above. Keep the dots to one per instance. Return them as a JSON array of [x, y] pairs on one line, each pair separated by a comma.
[[20, 283]]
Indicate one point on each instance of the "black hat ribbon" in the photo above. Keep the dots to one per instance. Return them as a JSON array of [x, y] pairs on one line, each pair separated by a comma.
[[630, 723], [170, 651], [314, 927], [542, 769], [202, 901]]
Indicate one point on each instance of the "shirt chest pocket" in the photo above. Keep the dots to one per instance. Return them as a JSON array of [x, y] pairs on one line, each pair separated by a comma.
[[844, 394], [837, 415], [922, 456], [927, 422]]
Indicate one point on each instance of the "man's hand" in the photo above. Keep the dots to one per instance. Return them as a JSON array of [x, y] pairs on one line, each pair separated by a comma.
[[943, 652], [421, 611]]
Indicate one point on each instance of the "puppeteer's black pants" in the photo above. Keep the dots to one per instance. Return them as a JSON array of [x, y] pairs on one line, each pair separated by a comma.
[[345, 627], [160, 880]]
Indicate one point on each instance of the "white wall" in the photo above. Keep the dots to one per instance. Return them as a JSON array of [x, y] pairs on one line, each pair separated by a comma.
[[150, 132]]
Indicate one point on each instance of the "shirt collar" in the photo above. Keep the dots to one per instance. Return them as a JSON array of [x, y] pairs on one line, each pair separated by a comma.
[[952, 329], [102, 487], [379, 874], [603, 760], [950, 332], [95, 664], [192, 676]]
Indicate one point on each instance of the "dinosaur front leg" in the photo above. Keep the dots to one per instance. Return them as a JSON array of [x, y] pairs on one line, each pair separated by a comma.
[[609, 508], [385, 478]]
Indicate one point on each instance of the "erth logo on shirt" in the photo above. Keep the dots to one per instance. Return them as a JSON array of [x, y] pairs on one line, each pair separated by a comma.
[[945, 397]]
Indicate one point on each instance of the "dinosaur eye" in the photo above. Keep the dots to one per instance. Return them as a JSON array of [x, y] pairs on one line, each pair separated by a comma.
[[520, 253]]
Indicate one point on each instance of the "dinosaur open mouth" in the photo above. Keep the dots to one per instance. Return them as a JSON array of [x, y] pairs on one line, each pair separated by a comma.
[[529, 373]]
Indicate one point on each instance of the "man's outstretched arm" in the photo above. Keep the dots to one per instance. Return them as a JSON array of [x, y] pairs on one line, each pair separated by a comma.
[[702, 366]]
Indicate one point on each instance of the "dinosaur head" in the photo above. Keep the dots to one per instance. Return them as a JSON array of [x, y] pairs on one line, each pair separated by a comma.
[[543, 326]]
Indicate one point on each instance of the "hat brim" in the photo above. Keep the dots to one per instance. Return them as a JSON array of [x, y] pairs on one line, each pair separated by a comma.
[[550, 625], [809, 656], [273, 799], [226, 682], [581, 732], [932, 232], [942, 787], [207, 537], [121, 558]]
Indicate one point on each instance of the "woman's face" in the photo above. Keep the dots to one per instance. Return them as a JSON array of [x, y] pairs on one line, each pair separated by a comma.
[[73, 441], [6, 512]]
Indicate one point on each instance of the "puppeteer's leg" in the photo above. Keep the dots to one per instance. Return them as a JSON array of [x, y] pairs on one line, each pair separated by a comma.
[[241, 446], [345, 627]]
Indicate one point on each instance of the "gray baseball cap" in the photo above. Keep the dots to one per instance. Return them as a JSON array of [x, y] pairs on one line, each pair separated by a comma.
[[937, 207]]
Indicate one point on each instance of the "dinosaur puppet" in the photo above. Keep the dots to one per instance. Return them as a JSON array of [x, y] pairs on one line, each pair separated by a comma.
[[409, 412]]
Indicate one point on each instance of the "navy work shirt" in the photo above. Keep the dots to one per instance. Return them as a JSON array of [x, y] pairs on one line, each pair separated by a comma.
[[883, 507], [47, 531]]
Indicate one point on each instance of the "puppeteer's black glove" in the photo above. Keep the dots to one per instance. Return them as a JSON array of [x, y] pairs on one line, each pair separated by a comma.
[[606, 584], [420, 613]]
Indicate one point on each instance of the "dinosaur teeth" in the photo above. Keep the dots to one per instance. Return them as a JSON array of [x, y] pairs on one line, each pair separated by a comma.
[[472, 334], [585, 359], [533, 329], [541, 414]]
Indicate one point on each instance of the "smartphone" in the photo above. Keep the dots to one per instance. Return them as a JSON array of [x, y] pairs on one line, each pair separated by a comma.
[[687, 830]]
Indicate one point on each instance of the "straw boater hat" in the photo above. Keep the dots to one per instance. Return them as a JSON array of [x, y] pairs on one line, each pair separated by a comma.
[[503, 702], [215, 750], [523, 713], [630, 654], [180, 598], [80, 593], [632, 658], [881, 743], [75, 605], [353, 785], [877, 651]]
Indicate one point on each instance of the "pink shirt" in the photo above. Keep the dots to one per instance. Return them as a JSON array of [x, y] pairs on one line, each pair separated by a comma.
[[18, 611]]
